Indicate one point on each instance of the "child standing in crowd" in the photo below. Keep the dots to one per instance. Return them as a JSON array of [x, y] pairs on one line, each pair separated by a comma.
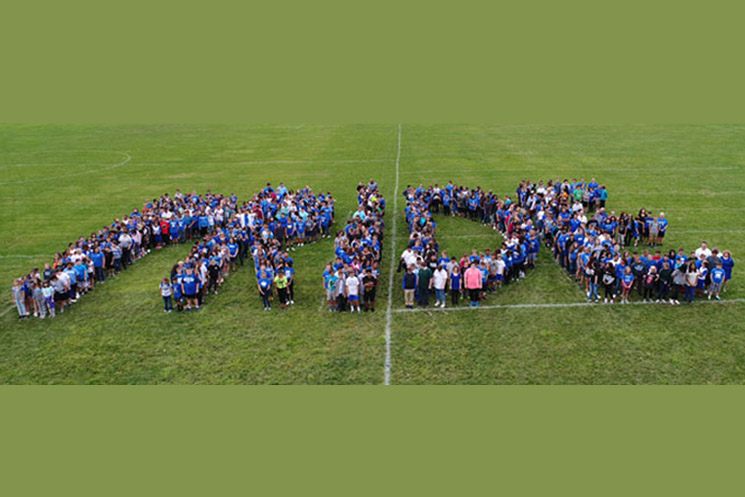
[[19, 298], [48, 293], [473, 282], [281, 282], [369, 286], [264, 284], [455, 285], [691, 282], [330, 285], [627, 283], [609, 282], [727, 264], [439, 283], [166, 291], [717, 280], [190, 286], [352, 292], [409, 287], [650, 284]]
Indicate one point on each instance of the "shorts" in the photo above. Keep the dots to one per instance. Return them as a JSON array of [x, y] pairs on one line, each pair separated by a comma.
[[190, 295], [60, 296], [353, 298], [500, 277], [330, 295], [369, 296]]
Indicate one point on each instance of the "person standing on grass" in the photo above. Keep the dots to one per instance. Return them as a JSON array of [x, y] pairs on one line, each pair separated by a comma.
[[691, 278], [424, 277], [352, 292], [727, 264], [662, 223], [264, 284], [19, 298], [166, 291], [627, 282], [370, 285], [98, 261], [290, 274], [472, 278], [592, 274], [281, 282], [190, 289], [679, 284], [409, 286], [330, 281], [650, 283], [609, 282], [666, 281], [455, 284], [48, 293], [717, 277], [40, 309], [439, 283], [703, 276]]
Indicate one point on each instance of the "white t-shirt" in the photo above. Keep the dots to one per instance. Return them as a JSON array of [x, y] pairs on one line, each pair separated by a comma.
[[701, 250], [440, 279], [500, 265], [409, 257], [353, 285]]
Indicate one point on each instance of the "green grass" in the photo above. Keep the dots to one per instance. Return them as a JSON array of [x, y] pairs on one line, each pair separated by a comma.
[[58, 183]]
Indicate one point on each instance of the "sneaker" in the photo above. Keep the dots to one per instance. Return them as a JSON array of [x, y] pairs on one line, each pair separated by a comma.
[[717, 297]]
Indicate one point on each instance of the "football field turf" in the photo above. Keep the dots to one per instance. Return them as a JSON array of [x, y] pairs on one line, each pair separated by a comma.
[[60, 182]]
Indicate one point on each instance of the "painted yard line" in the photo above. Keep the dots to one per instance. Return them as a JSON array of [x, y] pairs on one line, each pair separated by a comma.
[[23, 256], [81, 173], [391, 272], [465, 170], [555, 306], [6, 311], [218, 162]]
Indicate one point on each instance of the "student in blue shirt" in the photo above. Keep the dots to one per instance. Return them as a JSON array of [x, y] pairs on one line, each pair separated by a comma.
[[727, 264], [264, 284], [455, 284], [717, 277], [662, 224], [98, 261], [627, 283], [189, 288]]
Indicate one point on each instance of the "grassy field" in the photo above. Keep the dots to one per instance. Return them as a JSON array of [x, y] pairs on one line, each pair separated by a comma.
[[59, 182]]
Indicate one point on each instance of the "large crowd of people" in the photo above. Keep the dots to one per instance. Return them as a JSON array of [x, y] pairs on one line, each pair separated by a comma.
[[618, 255], [350, 281], [429, 271], [223, 233], [267, 229], [614, 258]]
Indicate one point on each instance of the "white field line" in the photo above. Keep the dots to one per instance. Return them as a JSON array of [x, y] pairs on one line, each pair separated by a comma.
[[6, 311], [392, 271], [556, 306], [222, 162], [22, 256], [121, 163]]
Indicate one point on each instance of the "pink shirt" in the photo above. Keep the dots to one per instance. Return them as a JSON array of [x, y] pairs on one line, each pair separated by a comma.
[[472, 278]]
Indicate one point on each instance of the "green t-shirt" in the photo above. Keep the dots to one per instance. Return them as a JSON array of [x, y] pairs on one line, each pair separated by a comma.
[[280, 281]]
